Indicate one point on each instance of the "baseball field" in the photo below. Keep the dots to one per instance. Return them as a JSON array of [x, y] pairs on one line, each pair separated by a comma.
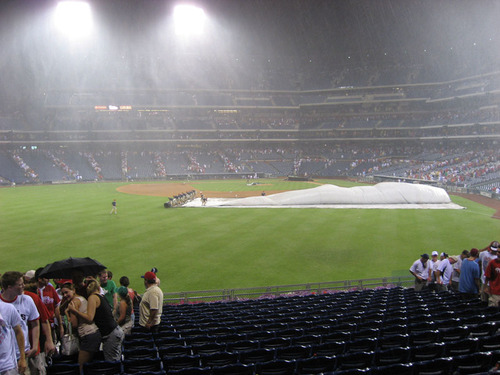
[[203, 248]]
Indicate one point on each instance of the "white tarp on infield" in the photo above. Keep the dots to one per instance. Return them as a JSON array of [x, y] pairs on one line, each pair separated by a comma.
[[382, 195]]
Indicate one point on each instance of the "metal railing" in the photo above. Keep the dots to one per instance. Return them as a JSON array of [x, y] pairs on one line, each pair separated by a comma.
[[227, 295]]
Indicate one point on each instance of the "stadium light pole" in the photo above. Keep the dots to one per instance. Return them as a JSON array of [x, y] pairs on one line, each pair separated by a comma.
[[73, 19]]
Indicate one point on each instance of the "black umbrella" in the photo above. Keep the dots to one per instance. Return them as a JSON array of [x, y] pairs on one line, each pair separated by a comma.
[[63, 269]]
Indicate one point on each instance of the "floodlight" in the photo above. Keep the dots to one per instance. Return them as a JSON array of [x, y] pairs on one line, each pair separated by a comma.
[[189, 20], [73, 18]]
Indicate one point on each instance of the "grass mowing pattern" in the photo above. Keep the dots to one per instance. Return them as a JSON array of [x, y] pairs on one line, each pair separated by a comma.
[[214, 248]]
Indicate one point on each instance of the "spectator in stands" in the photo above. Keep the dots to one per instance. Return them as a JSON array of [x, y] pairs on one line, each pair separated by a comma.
[[12, 292], [485, 256], [109, 289], [151, 306], [29, 275], [99, 311], [38, 364], [470, 276], [125, 312], [420, 269], [455, 277], [492, 277], [155, 271], [78, 279], [90, 336], [47, 294], [134, 297], [443, 273], [11, 338], [433, 265]]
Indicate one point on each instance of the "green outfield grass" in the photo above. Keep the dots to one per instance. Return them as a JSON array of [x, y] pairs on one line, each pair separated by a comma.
[[214, 248]]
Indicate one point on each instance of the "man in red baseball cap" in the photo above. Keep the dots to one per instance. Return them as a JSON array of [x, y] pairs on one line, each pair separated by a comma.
[[151, 306]]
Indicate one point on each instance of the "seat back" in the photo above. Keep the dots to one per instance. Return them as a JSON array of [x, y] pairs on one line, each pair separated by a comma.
[[234, 369], [276, 367], [256, 356], [102, 368], [180, 362], [473, 363], [316, 365]]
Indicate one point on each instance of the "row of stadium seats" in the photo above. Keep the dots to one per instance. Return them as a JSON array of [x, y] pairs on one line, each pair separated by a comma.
[[358, 363], [343, 331]]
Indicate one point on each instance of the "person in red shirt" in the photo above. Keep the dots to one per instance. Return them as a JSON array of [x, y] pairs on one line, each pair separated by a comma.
[[47, 294], [38, 363], [492, 277]]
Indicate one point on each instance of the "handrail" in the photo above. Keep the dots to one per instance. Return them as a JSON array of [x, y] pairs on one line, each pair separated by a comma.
[[227, 295]]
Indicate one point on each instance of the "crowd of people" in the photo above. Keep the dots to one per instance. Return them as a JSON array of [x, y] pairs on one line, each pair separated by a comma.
[[28, 171], [180, 199], [473, 274], [95, 165], [159, 166], [55, 158], [460, 168], [39, 319], [475, 166]]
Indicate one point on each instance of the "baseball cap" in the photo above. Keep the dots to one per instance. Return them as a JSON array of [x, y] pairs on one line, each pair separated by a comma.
[[122, 291], [425, 256], [30, 274], [149, 276], [435, 253], [494, 246], [444, 255]]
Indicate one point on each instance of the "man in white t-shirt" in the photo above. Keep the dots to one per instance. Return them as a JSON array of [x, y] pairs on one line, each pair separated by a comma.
[[433, 265], [420, 269], [11, 336], [13, 288], [443, 273]]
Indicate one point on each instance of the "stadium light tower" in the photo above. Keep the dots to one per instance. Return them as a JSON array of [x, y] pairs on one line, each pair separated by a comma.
[[189, 20], [73, 18]]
